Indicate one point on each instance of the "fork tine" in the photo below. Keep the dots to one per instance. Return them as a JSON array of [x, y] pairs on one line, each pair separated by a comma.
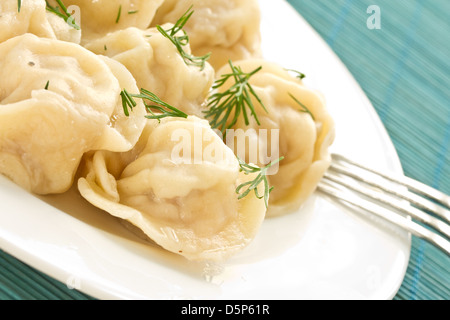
[[401, 206], [365, 189], [411, 184], [389, 215]]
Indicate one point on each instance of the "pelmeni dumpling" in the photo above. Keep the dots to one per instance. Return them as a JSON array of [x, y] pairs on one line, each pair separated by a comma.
[[229, 29], [33, 18], [178, 185], [64, 30], [158, 67], [99, 17], [58, 101], [286, 130]]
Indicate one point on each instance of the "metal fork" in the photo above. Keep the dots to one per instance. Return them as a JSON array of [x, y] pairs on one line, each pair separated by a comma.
[[420, 209]]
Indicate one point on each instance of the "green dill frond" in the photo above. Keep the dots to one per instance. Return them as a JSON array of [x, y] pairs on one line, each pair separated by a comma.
[[182, 40], [119, 13], [303, 107], [64, 14], [156, 108], [245, 188], [299, 75], [225, 108]]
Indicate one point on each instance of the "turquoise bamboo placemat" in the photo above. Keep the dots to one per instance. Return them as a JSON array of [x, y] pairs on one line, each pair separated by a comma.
[[403, 66], [402, 62]]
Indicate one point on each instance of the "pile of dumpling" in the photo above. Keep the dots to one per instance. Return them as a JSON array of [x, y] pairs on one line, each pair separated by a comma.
[[62, 118]]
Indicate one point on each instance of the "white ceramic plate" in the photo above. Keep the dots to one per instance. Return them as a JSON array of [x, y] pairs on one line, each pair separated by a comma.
[[323, 251]]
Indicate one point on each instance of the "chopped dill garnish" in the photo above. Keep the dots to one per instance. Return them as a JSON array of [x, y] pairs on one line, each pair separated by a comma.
[[119, 14], [127, 102], [46, 86], [181, 41], [163, 109], [133, 11], [64, 14], [253, 184], [304, 108], [235, 99], [299, 74], [19, 5]]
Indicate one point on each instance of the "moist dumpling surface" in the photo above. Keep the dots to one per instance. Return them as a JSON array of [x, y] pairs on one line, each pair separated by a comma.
[[229, 29], [158, 67], [183, 198], [99, 17], [302, 138], [33, 18], [58, 101]]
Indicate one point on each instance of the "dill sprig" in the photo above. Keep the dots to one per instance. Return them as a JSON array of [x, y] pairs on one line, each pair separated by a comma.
[[128, 102], [64, 14], [119, 13], [19, 5], [303, 107], [236, 99], [181, 41], [299, 74], [162, 109], [253, 184]]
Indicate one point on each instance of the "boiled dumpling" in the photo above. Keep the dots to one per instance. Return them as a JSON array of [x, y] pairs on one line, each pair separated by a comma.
[[158, 67], [33, 18], [64, 30], [229, 29], [57, 101], [178, 185], [296, 126], [99, 17]]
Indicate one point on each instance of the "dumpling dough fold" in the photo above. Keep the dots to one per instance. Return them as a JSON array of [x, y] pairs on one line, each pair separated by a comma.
[[303, 140], [185, 198], [34, 18], [100, 17], [229, 29], [58, 101], [158, 67]]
